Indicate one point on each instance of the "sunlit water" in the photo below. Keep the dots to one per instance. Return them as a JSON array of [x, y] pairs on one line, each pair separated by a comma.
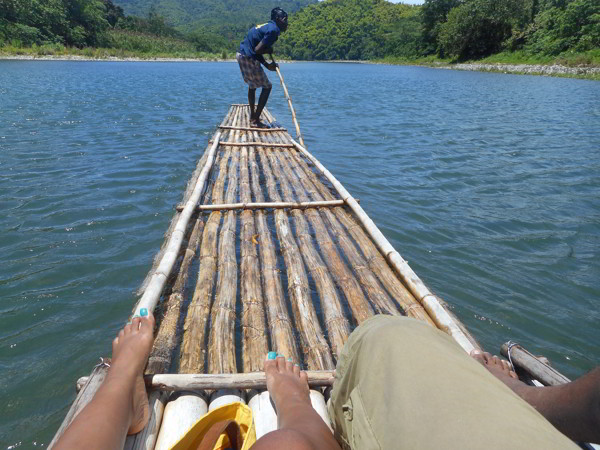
[[488, 184]]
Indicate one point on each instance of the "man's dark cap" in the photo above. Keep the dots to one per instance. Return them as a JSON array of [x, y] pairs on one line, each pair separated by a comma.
[[278, 13]]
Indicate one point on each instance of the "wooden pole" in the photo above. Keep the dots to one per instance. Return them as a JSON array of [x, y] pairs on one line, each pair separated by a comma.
[[368, 265], [262, 130], [376, 293], [280, 325], [532, 365], [435, 310], [255, 144], [270, 205], [194, 338], [221, 344], [203, 382], [337, 325], [314, 346], [287, 96], [253, 312]]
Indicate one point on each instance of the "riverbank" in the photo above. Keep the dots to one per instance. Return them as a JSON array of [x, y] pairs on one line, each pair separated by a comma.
[[553, 70]]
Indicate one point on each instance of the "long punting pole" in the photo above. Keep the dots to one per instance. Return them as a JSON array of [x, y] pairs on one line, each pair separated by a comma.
[[440, 316], [287, 95]]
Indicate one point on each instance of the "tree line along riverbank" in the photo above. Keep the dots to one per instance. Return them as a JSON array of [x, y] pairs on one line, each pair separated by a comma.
[[503, 35]]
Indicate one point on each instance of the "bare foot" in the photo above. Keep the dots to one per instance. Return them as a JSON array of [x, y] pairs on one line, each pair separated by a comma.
[[299, 425], [131, 348], [286, 383]]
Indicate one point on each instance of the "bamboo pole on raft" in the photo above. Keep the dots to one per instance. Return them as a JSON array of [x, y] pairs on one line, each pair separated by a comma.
[[221, 344], [185, 408], [194, 336], [253, 312], [317, 355], [337, 325], [306, 321], [372, 263], [280, 325], [433, 307], [361, 308], [376, 293]]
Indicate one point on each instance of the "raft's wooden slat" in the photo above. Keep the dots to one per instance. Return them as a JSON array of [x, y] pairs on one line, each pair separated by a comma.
[[194, 337], [262, 130], [535, 368], [167, 336], [271, 205], [367, 279], [221, 344], [361, 309], [251, 380], [280, 325], [315, 348], [336, 323], [255, 144], [255, 345], [435, 310]]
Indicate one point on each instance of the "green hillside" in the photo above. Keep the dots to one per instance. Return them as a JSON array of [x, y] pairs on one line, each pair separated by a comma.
[[352, 29], [226, 17]]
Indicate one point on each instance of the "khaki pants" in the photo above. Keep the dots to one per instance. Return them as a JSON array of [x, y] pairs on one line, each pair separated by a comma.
[[401, 384]]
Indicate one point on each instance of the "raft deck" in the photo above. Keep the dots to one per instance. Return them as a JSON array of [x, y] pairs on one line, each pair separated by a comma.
[[267, 252]]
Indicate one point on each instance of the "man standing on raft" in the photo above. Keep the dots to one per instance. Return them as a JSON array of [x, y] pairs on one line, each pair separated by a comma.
[[258, 42]]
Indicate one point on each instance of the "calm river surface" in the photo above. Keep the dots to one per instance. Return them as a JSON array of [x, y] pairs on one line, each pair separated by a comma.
[[488, 184]]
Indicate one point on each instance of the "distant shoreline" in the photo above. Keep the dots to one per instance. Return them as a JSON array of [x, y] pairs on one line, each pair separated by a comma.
[[528, 69]]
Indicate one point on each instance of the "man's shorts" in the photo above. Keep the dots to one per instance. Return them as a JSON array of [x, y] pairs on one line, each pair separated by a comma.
[[254, 75]]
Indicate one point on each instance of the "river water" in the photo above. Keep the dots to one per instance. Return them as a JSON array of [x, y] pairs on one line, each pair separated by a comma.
[[488, 184]]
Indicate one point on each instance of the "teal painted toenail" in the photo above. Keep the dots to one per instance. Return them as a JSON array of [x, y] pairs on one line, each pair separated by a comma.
[[143, 312], [272, 355], [290, 360]]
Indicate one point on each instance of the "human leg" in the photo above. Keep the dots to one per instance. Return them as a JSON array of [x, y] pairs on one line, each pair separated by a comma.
[[252, 102], [120, 406], [300, 427], [573, 408], [403, 384], [262, 101]]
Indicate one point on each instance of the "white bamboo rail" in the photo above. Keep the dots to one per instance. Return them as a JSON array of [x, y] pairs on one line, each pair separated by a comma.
[[202, 381], [440, 316], [270, 205], [157, 283]]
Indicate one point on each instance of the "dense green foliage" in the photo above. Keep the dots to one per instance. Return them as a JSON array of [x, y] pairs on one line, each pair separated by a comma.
[[352, 29], [473, 29], [228, 18], [533, 30]]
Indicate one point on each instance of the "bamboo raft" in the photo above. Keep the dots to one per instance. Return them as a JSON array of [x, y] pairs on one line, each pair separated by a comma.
[[267, 251]]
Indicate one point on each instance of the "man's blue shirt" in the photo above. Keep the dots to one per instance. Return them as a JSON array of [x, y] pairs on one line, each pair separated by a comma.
[[267, 33]]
